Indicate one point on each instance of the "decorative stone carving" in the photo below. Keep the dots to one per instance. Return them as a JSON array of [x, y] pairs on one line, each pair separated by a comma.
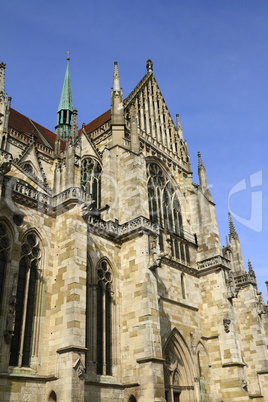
[[193, 343], [231, 287], [80, 369], [245, 385], [226, 324], [5, 162], [171, 361], [155, 255], [260, 304]]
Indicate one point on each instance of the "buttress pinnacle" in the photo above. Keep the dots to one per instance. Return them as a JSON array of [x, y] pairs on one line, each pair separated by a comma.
[[116, 77], [232, 232]]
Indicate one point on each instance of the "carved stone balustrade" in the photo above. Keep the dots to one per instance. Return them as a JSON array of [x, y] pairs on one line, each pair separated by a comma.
[[245, 279], [16, 190], [214, 262], [118, 233]]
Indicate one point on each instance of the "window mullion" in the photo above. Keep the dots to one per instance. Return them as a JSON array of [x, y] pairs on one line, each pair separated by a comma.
[[104, 329], [24, 317]]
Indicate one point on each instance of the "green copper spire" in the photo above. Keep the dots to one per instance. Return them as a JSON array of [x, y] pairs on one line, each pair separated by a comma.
[[65, 109]]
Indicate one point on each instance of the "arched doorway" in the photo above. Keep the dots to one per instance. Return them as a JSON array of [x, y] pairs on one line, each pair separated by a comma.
[[178, 369]]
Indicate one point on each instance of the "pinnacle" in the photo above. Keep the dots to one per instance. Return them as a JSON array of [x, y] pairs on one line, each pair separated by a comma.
[[200, 161], [116, 77], [250, 269], [232, 231]]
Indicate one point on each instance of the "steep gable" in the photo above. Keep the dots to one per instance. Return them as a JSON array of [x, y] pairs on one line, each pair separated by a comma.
[[157, 132]]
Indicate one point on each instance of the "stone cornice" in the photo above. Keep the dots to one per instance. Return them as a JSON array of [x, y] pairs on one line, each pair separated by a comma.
[[30, 376], [112, 384], [150, 360], [72, 348], [23, 138], [234, 364]]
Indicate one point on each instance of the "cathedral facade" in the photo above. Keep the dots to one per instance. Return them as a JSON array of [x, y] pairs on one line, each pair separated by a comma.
[[114, 284]]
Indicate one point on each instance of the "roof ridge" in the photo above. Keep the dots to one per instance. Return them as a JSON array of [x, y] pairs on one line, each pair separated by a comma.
[[41, 135]]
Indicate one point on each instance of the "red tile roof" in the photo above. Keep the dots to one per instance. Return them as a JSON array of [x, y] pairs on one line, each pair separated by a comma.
[[23, 124], [99, 121]]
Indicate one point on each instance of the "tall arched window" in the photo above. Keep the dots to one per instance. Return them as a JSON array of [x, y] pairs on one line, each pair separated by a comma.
[[91, 179], [104, 319], [21, 344], [4, 248], [164, 207]]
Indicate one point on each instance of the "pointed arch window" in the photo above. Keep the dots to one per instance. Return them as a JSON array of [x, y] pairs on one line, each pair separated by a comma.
[[104, 319], [4, 249], [164, 206], [21, 344], [91, 179]]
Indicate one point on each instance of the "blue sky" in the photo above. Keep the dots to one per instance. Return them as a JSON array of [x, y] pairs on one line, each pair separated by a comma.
[[210, 60]]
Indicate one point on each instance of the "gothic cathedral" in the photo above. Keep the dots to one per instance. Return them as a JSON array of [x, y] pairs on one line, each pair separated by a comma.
[[113, 282]]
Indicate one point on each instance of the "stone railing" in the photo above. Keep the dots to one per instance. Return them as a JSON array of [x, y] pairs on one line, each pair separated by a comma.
[[23, 193], [66, 196], [245, 279], [214, 262], [112, 230]]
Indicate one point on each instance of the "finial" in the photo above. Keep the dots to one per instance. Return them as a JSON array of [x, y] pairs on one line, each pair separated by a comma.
[[68, 56], [232, 231], [149, 66], [200, 162]]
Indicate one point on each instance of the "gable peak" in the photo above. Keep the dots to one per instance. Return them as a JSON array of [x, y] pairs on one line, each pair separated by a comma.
[[149, 66]]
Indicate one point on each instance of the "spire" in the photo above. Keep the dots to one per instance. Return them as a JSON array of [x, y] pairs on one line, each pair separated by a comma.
[[117, 108], [179, 127], [2, 77], [116, 77], [65, 109], [232, 231], [202, 172]]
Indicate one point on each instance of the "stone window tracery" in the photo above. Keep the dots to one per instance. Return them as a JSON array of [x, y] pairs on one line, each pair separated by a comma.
[[25, 302], [164, 210], [91, 179], [164, 207]]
